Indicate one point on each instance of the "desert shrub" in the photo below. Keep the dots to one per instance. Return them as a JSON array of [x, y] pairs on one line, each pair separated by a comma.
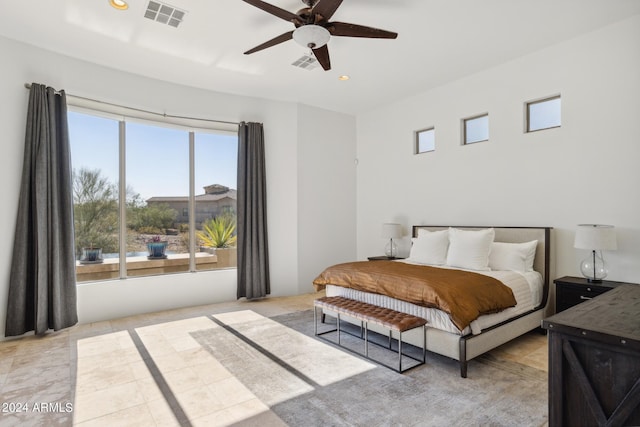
[[219, 232]]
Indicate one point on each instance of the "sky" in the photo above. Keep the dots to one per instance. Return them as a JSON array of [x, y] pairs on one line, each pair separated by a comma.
[[157, 158]]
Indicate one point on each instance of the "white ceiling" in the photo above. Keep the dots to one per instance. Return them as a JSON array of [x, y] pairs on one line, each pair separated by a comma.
[[438, 41]]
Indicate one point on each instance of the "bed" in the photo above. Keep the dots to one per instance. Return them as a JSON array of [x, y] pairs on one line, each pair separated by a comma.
[[520, 259]]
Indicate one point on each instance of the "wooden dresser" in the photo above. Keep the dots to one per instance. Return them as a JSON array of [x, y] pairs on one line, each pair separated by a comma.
[[594, 361]]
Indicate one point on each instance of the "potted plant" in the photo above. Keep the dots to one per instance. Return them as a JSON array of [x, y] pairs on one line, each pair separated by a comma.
[[91, 255], [157, 248], [219, 234]]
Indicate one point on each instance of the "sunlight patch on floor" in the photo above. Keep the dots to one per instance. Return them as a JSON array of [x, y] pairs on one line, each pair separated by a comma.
[[320, 362], [224, 369], [117, 383]]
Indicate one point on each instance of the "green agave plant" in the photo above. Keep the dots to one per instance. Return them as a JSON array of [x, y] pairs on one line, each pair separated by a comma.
[[219, 232]]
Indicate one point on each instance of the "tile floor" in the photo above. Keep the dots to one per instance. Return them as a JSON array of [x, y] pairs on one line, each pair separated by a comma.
[[150, 370]]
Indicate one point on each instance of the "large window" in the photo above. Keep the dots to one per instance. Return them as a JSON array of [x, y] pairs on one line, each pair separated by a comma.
[[151, 198]]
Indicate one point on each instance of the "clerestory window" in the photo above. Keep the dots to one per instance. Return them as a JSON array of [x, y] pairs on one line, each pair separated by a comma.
[[425, 140], [543, 114], [475, 129]]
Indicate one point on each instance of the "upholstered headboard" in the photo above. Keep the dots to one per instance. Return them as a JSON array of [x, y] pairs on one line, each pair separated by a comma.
[[542, 262]]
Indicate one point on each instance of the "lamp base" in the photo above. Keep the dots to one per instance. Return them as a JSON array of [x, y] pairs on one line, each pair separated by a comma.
[[594, 268], [390, 249]]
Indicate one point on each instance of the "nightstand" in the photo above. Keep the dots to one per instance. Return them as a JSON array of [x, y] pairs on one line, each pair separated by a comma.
[[383, 258], [571, 291]]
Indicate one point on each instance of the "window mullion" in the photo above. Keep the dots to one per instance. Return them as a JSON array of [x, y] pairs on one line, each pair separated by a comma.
[[122, 198], [192, 203]]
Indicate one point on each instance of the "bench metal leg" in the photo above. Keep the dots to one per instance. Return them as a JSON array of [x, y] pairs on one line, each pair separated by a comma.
[[389, 339], [366, 339], [400, 352], [424, 343], [338, 326]]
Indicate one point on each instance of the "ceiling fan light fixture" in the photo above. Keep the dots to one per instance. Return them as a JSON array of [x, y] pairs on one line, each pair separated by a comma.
[[311, 36]]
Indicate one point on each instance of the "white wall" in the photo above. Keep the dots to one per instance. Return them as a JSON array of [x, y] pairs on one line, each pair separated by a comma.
[[326, 192], [104, 300], [584, 172]]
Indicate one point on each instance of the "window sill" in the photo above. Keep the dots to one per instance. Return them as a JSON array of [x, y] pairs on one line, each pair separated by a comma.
[[141, 266]]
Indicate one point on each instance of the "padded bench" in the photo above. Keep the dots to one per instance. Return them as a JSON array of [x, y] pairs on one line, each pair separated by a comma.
[[371, 314]]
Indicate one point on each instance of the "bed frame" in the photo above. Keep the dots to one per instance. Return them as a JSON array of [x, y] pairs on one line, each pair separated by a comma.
[[465, 348]]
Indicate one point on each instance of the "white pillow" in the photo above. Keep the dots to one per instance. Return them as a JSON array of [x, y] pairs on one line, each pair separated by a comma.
[[513, 256], [430, 247], [470, 249]]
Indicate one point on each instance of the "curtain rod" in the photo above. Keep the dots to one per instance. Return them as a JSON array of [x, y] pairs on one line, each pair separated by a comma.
[[28, 86]]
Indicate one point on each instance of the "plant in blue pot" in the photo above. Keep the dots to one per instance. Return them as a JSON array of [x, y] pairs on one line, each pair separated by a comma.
[[157, 248], [91, 255]]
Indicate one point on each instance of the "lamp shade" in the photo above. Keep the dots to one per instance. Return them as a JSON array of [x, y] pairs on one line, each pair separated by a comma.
[[311, 36], [596, 237], [391, 231]]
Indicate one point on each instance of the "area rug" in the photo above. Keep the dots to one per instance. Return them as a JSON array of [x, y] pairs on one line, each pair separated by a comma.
[[306, 381]]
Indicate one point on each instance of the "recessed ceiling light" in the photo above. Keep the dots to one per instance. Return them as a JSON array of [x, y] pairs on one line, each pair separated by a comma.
[[343, 78], [119, 4]]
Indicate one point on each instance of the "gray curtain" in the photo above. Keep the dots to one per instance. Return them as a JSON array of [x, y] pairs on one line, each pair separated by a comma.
[[253, 254], [42, 288]]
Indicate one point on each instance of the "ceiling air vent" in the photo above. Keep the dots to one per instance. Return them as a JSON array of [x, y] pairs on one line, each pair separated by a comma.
[[306, 62], [164, 13]]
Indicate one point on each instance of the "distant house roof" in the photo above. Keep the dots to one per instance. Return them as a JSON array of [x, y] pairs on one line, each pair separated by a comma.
[[231, 194], [216, 189], [212, 193]]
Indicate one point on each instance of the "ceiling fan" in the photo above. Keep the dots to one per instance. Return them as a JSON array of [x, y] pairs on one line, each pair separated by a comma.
[[313, 28]]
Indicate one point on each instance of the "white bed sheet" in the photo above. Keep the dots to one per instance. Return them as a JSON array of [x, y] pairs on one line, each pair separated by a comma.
[[527, 290]]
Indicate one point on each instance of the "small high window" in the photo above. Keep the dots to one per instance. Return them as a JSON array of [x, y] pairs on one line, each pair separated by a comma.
[[475, 129], [543, 114], [425, 140]]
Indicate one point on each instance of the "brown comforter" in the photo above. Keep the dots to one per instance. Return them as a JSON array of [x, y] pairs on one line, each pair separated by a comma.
[[464, 295]]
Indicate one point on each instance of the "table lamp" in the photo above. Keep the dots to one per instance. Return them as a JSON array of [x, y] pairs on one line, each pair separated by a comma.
[[596, 238], [391, 231]]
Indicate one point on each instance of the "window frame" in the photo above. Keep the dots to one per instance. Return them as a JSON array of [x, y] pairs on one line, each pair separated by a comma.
[[527, 112], [416, 145], [463, 123], [121, 116]]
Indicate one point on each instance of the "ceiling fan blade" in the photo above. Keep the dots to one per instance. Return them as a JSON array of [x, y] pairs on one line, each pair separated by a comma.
[[274, 41], [343, 29], [274, 10], [322, 55], [326, 8]]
